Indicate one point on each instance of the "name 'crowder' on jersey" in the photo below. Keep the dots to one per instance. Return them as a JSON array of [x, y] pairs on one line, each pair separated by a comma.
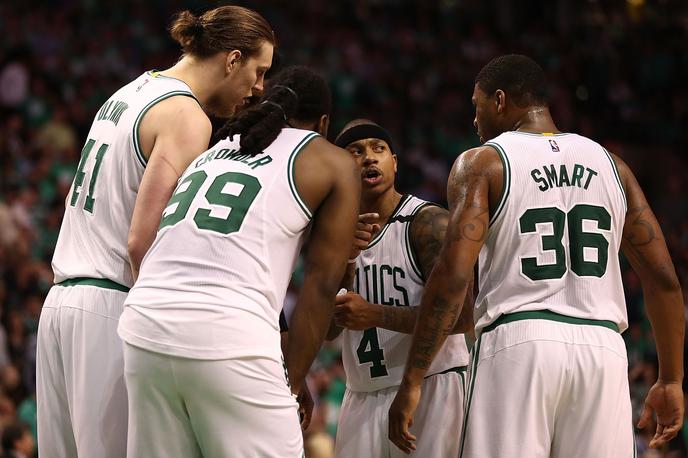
[[93, 237], [554, 244], [221, 296], [388, 274]]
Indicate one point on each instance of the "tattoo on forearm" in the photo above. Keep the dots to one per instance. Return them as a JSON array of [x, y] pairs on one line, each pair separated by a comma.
[[399, 319], [436, 324]]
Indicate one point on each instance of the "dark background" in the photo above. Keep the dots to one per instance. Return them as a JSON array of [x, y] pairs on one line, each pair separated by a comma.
[[617, 69]]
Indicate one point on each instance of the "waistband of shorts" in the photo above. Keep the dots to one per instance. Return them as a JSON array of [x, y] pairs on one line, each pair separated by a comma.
[[99, 282], [457, 369], [548, 315]]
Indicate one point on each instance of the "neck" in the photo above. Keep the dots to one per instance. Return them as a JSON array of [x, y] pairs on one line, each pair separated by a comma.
[[382, 204], [195, 73], [535, 119]]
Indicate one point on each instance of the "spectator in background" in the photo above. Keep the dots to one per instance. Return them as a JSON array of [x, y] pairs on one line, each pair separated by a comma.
[[17, 441]]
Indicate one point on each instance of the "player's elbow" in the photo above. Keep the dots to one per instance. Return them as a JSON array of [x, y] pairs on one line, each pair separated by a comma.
[[662, 278], [136, 249]]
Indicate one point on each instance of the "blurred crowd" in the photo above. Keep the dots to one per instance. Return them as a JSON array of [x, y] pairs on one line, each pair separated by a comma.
[[617, 74]]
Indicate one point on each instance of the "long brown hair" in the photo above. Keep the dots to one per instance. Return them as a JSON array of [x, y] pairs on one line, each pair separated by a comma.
[[225, 28]]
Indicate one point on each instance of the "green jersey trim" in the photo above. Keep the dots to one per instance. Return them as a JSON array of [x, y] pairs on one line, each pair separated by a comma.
[[404, 200], [99, 282], [157, 74], [617, 176], [409, 247], [456, 369], [551, 316], [137, 124], [290, 174], [471, 384], [506, 180]]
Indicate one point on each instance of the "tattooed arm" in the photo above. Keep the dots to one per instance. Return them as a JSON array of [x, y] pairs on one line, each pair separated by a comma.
[[427, 233], [468, 192], [644, 246]]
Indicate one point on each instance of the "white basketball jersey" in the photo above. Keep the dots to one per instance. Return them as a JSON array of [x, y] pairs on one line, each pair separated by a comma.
[[553, 241], [93, 237], [213, 283], [388, 274]]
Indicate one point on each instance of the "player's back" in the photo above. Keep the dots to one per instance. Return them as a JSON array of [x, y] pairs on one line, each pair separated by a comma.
[[387, 273], [554, 239], [93, 238], [213, 282]]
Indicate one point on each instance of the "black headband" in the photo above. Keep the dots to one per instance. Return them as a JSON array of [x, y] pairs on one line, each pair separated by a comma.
[[362, 131], [270, 102], [291, 91]]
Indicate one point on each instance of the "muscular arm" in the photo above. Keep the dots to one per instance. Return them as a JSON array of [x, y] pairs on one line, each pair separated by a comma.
[[174, 132], [427, 233], [328, 248], [446, 288], [644, 246]]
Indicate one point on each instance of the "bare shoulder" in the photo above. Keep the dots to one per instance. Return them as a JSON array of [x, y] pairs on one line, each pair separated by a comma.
[[625, 172], [181, 112], [322, 167], [472, 167], [429, 215], [323, 155], [427, 231]]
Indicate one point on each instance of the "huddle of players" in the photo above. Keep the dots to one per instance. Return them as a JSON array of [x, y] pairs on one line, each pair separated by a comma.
[[201, 359]]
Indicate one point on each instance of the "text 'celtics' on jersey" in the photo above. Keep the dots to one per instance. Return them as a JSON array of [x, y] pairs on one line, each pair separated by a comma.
[[213, 283], [387, 273], [554, 239]]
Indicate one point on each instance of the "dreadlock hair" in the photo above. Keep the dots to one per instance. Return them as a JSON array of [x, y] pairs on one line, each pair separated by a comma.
[[296, 92], [518, 76]]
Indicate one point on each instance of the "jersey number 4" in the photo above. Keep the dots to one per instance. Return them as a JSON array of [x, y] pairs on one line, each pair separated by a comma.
[[238, 204], [80, 175], [369, 351], [579, 240]]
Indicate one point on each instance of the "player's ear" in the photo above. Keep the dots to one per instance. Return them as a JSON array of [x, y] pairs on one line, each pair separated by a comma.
[[232, 60], [324, 125], [394, 158], [500, 100]]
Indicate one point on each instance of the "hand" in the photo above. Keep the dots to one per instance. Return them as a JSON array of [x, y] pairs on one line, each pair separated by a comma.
[[353, 312], [305, 406], [665, 399], [401, 417], [366, 228]]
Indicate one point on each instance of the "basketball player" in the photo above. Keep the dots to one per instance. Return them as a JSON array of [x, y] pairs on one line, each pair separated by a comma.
[[202, 356], [380, 312], [140, 142], [545, 213]]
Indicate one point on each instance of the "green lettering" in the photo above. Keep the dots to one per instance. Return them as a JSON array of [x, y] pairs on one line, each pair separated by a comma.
[[383, 297], [366, 270], [591, 173], [398, 287], [120, 107], [223, 153], [260, 162], [578, 171], [563, 176], [103, 110], [551, 174], [537, 176]]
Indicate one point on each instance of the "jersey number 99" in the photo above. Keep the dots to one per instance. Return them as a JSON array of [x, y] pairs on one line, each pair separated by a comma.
[[238, 204]]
